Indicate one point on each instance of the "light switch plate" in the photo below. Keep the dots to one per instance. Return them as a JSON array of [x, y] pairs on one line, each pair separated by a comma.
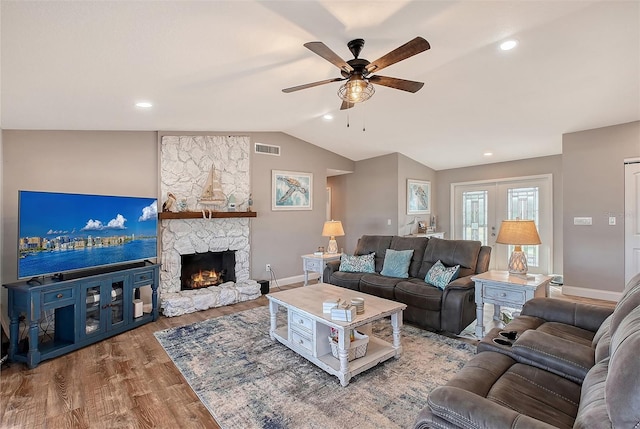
[[612, 220], [583, 221]]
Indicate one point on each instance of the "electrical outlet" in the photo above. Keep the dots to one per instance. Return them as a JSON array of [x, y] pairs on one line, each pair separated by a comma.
[[268, 267]]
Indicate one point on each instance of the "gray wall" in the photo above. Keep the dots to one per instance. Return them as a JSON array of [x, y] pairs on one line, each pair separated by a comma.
[[126, 163], [592, 163], [371, 199], [280, 237], [410, 169], [375, 193], [526, 167], [111, 163]]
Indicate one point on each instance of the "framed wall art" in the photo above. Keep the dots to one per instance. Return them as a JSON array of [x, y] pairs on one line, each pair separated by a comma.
[[418, 197], [291, 190]]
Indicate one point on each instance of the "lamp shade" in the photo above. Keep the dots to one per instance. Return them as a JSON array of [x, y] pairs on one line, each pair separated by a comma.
[[518, 232], [332, 228]]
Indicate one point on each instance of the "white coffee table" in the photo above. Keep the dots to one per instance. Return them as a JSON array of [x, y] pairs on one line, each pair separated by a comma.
[[307, 328]]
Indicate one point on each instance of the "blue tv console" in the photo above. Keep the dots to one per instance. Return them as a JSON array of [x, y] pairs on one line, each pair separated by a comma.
[[58, 316]]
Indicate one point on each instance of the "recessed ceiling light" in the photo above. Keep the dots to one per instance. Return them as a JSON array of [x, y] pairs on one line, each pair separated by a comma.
[[488, 153], [328, 117], [144, 104], [508, 45]]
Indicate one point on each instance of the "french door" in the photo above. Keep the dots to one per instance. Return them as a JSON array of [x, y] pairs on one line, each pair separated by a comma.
[[480, 207], [632, 219]]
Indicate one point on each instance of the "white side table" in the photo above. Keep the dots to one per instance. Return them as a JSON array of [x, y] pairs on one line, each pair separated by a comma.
[[316, 264], [501, 288]]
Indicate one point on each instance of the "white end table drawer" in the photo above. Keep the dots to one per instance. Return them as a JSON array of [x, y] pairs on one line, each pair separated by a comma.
[[313, 265], [503, 294], [301, 341], [300, 323]]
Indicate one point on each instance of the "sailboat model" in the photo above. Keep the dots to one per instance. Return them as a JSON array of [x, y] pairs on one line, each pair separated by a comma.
[[212, 194]]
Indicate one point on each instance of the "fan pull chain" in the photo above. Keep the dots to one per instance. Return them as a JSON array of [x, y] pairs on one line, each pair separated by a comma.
[[347, 119], [364, 119]]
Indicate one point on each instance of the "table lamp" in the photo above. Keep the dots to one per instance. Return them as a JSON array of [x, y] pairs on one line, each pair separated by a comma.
[[518, 233], [332, 228]]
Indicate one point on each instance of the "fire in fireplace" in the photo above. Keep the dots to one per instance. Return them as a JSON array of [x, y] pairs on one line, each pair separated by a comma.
[[201, 270]]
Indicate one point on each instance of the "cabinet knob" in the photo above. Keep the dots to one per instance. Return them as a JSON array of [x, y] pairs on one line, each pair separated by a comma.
[[300, 341], [59, 296], [503, 294], [301, 322]]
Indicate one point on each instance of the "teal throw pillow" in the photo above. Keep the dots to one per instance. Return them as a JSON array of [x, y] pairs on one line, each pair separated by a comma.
[[440, 276], [358, 264], [396, 263]]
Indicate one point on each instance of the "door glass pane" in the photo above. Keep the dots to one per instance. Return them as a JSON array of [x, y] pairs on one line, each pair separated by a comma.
[[474, 216], [92, 324], [523, 203], [116, 302]]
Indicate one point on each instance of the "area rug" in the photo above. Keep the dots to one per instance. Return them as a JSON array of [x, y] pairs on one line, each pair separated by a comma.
[[246, 380]]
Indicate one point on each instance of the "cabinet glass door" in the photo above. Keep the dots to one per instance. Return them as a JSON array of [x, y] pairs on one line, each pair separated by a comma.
[[116, 301], [92, 314]]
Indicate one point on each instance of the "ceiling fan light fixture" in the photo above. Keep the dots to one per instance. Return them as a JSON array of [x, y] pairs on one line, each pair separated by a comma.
[[356, 90]]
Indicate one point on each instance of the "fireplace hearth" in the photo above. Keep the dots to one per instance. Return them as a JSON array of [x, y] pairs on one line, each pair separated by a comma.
[[201, 270]]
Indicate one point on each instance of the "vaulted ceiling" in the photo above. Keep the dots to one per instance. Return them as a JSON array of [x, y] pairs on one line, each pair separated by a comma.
[[221, 66]]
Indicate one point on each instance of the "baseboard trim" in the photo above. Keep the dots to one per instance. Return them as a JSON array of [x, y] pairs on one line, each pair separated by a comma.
[[295, 279], [591, 293]]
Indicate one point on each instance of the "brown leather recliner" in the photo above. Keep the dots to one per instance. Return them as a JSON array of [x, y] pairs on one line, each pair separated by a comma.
[[572, 365]]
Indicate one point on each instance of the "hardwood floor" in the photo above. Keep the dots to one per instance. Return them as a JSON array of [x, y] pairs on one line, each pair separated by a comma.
[[127, 381]]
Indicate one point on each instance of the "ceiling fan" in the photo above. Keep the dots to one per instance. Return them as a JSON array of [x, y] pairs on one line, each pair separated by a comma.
[[359, 73]]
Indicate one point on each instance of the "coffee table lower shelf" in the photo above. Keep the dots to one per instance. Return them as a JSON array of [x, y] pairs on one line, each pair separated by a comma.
[[377, 351]]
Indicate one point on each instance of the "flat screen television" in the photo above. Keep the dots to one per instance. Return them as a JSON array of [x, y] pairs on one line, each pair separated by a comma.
[[62, 232]]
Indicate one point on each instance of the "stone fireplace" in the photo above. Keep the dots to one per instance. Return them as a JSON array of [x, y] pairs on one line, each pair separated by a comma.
[[185, 163]]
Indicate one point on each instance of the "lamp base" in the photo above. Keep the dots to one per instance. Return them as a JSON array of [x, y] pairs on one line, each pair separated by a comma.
[[518, 262], [333, 246]]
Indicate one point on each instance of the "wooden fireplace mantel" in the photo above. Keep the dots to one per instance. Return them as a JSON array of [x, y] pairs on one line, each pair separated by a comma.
[[198, 215]]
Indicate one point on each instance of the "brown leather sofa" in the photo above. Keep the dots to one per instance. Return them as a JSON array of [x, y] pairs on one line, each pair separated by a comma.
[[569, 366], [451, 309]]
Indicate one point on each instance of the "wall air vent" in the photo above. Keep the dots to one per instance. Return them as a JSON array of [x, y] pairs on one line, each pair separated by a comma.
[[267, 149]]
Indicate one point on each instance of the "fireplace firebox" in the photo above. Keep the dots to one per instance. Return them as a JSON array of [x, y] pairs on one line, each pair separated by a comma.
[[200, 270]]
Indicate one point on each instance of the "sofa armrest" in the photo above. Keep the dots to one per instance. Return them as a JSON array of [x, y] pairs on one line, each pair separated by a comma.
[[458, 307], [461, 283], [330, 268], [464, 409], [585, 316]]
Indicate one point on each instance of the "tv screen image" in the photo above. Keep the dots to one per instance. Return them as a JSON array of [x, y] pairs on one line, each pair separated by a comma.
[[63, 232]]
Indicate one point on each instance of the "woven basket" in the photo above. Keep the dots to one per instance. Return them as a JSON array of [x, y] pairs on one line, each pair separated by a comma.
[[357, 348]]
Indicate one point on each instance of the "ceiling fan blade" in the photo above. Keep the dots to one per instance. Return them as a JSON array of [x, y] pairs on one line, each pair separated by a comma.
[[346, 105], [405, 51], [392, 82], [323, 50], [311, 85]]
